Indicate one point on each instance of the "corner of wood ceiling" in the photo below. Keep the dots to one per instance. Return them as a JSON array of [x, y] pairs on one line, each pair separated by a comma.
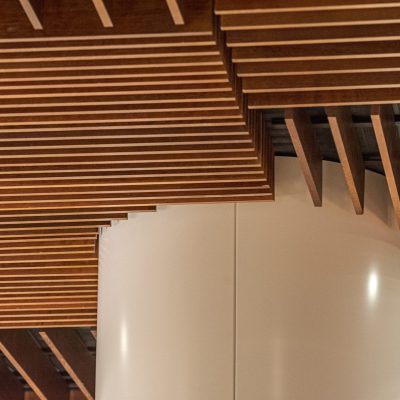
[[99, 121]]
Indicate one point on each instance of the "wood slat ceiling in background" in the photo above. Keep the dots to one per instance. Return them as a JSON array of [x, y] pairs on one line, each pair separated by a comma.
[[98, 125], [303, 53], [117, 106], [51, 364], [134, 104]]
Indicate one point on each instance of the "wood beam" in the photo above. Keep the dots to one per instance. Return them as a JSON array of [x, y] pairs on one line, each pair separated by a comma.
[[307, 149], [278, 20], [324, 98], [33, 365], [31, 14], [227, 7], [388, 140], [10, 387], [349, 150], [176, 12], [104, 15], [73, 355]]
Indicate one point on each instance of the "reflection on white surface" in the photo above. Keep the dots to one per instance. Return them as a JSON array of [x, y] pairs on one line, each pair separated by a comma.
[[316, 314], [166, 306], [373, 286], [326, 282], [124, 341]]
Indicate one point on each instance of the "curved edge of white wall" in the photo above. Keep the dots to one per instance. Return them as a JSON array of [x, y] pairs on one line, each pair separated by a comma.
[[275, 301]]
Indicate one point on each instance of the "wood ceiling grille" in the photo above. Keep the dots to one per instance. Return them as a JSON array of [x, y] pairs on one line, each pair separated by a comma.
[[303, 53], [93, 127]]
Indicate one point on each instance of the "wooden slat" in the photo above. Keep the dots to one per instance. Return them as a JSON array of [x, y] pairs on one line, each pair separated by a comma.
[[33, 365], [301, 53], [388, 141], [300, 36], [313, 83], [31, 14], [176, 12], [348, 148], [310, 19], [318, 67], [225, 7], [324, 98], [103, 13], [70, 351], [10, 387], [307, 149], [329, 51]]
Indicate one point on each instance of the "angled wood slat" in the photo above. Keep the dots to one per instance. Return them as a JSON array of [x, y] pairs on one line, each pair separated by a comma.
[[348, 147], [307, 149], [176, 12], [387, 137], [74, 356], [103, 12], [33, 365], [31, 13], [127, 18]]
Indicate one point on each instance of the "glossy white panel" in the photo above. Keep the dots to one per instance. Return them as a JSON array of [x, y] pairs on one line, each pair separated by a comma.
[[318, 314], [165, 327]]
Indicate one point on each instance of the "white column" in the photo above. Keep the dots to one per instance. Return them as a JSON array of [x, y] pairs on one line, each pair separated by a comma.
[[318, 294], [165, 326], [317, 312]]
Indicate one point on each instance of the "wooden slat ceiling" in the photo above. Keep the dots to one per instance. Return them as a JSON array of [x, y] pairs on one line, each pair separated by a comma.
[[111, 107], [51, 364], [118, 119], [298, 53]]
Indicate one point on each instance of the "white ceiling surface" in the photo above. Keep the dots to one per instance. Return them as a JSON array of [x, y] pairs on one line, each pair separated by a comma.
[[315, 316]]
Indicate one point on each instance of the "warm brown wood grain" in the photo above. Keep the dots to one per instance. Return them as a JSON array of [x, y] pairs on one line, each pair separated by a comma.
[[10, 387], [96, 123], [310, 19], [65, 18], [33, 365], [73, 355], [302, 53], [349, 151], [257, 6], [388, 140], [73, 395], [307, 149]]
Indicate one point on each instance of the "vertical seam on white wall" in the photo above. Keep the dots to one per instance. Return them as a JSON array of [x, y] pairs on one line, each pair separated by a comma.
[[234, 298]]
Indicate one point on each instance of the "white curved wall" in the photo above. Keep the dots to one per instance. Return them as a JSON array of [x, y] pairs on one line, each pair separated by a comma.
[[317, 299], [165, 306]]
